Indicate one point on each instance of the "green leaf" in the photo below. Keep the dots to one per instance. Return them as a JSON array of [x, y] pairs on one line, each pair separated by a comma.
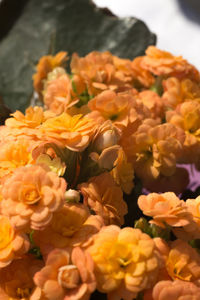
[[140, 296], [195, 244], [157, 87], [31, 237], [143, 225], [36, 252], [68, 25], [153, 230]]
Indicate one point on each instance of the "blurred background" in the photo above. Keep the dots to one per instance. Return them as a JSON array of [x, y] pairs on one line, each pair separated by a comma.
[[175, 22]]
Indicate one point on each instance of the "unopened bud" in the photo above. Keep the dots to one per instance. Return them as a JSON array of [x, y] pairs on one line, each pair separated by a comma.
[[142, 224], [72, 196], [108, 139], [108, 157], [58, 71]]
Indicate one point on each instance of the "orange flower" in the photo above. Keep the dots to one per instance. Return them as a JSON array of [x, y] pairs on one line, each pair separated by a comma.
[[70, 227], [127, 136], [154, 149], [58, 94], [1, 193], [112, 106], [16, 280], [83, 110], [177, 91], [183, 262], [102, 71], [123, 172], [192, 230], [126, 261], [124, 68], [144, 77], [193, 206], [14, 154], [164, 63], [153, 102], [46, 65], [120, 108], [163, 275], [163, 249], [104, 197], [176, 290], [24, 125], [31, 196], [64, 279], [33, 117], [187, 118], [73, 132], [164, 208], [12, 244]]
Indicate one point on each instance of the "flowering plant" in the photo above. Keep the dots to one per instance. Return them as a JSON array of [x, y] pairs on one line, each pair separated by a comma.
[[98, 133]]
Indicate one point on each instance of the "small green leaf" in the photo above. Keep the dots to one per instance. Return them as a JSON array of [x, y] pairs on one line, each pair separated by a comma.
[[153, 230], [157, 87], [84, 98], [143, 225], [36, 252], [140, 296], [163, 233], [31, 237], [73, 84], [195, 244]]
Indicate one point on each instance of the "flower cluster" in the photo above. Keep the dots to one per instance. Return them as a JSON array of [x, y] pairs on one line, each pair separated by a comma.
[[104, 128], [181, 268]]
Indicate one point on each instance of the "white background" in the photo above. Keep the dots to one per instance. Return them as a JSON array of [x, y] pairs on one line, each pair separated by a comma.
[[175, 32]]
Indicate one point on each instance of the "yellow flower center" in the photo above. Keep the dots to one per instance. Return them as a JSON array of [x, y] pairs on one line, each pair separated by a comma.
[[23, 293], [113, 117], [123, 262], [29, 194], [68, 277], [120, 256], [144, 156], [177, 267]]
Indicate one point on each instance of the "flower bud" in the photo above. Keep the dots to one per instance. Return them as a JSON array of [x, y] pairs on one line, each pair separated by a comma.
[[107, 158], [55, 73], [107, 139], [72, 196]]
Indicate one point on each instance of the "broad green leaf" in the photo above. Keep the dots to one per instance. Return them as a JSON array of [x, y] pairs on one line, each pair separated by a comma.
[[68, 25]]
